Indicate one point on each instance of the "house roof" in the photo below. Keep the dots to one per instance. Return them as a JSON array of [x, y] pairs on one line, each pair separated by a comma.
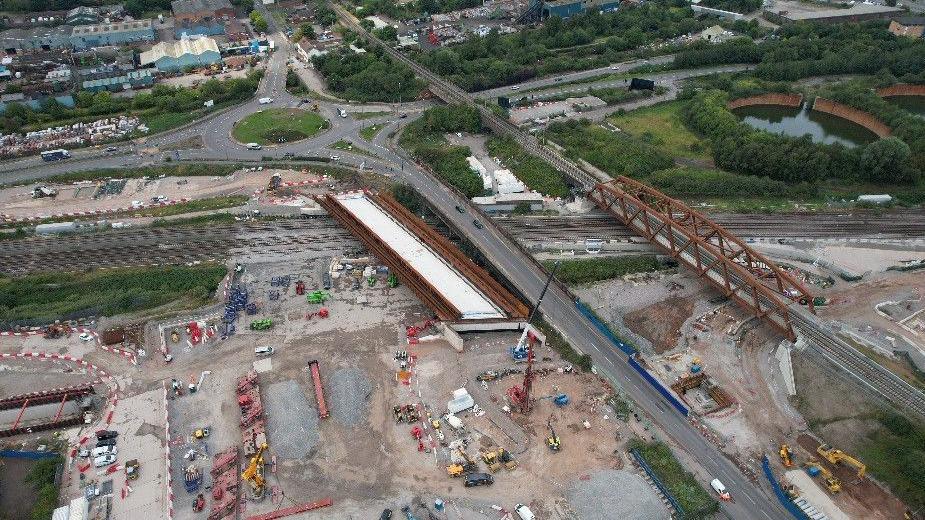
[[910, 20]]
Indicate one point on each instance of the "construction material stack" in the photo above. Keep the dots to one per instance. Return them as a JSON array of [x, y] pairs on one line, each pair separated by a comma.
[[237, 302], [253, 423], [319, 390], [225, 484]]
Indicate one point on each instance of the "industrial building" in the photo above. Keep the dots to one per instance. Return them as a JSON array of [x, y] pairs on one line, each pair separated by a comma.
[[83, 15], [115, 79], [120, 33], [182, 54], [36, 38], [566, 8], [855, 13], [202, 17]]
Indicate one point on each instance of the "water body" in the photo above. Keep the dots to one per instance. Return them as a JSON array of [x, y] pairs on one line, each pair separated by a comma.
[[914, 104], [796, 122]]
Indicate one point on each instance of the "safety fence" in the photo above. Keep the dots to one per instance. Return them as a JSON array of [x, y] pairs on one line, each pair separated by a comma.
[[784, 499]]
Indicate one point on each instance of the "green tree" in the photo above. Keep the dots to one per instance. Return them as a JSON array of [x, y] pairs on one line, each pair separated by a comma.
[[308, 31], [258, 22], [887, 160]]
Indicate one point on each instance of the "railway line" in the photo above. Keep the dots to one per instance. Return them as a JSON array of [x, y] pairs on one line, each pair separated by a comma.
[[179, 245]]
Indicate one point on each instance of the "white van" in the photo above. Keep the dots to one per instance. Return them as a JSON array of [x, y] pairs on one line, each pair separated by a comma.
[[524, 512], [253, 146], [263, 351], [720, 489], [104, 450], [265, 100]]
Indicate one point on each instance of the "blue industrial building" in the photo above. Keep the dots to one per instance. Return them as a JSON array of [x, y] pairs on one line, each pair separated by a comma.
[[118, 33], [568, 8]]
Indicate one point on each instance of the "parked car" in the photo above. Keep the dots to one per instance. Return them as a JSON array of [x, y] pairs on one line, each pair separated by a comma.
[[386, 514], [104, 450], [105, 442], [85, 336], [263, 351], [111, 149], [104, 460], [253, 146], [106, 434], [479, 479], [524, 512]]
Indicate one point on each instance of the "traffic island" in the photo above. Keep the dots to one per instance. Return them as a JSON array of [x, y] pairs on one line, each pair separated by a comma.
[[277, 126]]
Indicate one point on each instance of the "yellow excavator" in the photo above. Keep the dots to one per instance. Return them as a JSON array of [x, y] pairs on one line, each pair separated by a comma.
[[838, 456], [491, 460], [455, 470], [254, 473], [832, 483], [786, 455]]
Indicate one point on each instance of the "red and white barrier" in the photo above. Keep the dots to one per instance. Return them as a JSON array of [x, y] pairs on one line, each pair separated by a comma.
[[131, 356], [169, 479]]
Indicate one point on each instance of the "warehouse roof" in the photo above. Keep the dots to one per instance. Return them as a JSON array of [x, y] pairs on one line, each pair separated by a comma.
[[198, 6], [107, 28], [855, 10], [178, 48]]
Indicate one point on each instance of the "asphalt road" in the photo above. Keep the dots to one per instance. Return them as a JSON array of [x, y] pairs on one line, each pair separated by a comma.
[[751, 501], [615, 68]]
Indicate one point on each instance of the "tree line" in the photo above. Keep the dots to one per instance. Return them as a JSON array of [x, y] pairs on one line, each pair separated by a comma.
[[160, 99], [425, 140], [808, 49], [585, 41], [368, 76]]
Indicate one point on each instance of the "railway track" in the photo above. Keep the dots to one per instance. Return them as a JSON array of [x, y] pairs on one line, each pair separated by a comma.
[[897, 224], [888, 385], [172, 246]]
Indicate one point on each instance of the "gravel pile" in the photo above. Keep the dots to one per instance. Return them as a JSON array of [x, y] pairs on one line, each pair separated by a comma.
[[612, 494], [349, 396], [292, 422]]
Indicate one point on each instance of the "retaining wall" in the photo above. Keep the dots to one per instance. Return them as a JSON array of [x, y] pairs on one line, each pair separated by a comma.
[[865, 119], [902, 89], [785, 100]]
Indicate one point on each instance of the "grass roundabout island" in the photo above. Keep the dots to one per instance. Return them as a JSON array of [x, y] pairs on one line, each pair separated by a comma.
[[277, 126]]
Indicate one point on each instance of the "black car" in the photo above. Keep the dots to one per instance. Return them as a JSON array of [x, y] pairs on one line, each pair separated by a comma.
[[479, 479], [477, 224], [106, 434], [386, 514], [459, 209], [289, 155], [106, 442]]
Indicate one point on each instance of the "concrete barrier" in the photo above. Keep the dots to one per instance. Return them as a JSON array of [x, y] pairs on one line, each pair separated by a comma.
[[901, 89], [774, 98], [865, 119]]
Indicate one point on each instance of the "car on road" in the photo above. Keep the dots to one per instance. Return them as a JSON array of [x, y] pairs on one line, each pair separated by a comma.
[[253, 146], [335, 158], [613, 67], [479, 479], [106, 434], [478, 224], [111, 149], [104, 460], [288, 155], [265, 100], [515, 87], [460, 209], [85, 336]]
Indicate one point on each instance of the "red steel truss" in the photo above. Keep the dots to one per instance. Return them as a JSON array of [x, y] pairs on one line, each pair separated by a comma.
[[743, 274]]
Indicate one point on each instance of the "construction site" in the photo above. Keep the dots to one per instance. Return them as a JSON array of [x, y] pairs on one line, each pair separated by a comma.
[[358, 360]]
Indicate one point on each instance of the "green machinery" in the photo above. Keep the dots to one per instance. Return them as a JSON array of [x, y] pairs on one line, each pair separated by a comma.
[[263, 324], [318, 296]]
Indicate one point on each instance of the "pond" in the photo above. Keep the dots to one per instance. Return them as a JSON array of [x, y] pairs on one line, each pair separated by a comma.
[[796, 122], [914, 104]]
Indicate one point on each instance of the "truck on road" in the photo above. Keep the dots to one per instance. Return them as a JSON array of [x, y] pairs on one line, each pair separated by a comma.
[[720, 490], [56, 155]]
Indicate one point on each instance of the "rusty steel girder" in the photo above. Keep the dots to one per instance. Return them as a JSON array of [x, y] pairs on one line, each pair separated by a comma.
[[746, 276]]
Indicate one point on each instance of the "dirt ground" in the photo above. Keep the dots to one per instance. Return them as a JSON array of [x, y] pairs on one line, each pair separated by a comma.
[[17, 202], [841, 416], [661, 322]]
